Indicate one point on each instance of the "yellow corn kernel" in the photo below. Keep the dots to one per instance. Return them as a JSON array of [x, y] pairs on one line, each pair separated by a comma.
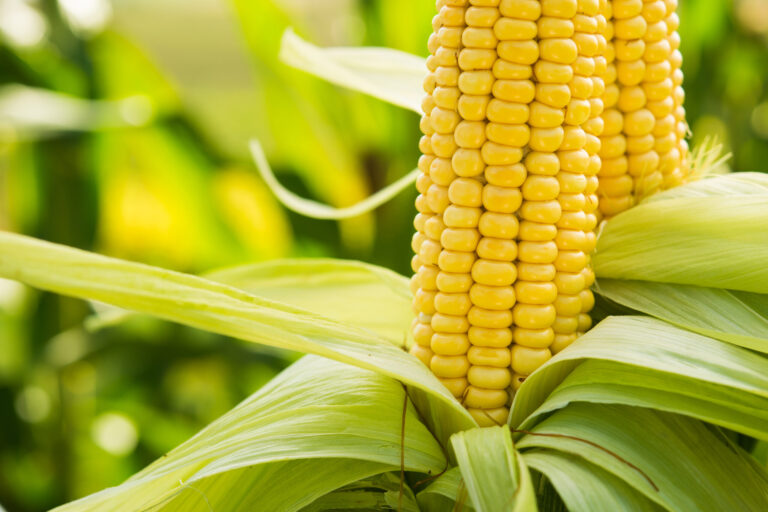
[[492, 297], [493, 357], [494, 273], [481, 398], [489, 377], [449, 344], [489, 337], [488, 318], [449, 324], [526, 360]]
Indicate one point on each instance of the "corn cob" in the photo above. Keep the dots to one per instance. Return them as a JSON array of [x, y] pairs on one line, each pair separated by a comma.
[[507, 191]]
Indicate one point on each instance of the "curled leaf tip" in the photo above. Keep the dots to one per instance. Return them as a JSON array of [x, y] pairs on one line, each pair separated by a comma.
[[318, 210]]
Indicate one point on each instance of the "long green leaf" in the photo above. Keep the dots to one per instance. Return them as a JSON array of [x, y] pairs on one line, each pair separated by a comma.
[[740, 318], [446, 492], [316, 427], [711, 380], [350, 292], [585, 487], [677, 462], [218, 308], [495, 476], [610, 382], [390, 75], [703, 239], [736, 184], [382, 492]]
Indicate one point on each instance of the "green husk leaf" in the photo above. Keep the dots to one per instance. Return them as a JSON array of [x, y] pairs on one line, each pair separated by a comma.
[[316, 427], [350, 292], [319, 210], [736, 184], [444, 493], [390, 75], [215, 307], [610, 382], [647, 362], [678, 462], [740, 318], [494, 474], [585, 487], [381, 492], [705, 239]]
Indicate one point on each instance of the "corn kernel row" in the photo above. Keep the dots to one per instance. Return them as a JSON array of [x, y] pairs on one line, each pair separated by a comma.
[[675, 159]]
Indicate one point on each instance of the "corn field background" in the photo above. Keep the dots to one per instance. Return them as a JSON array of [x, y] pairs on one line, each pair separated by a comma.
[[124, 129]]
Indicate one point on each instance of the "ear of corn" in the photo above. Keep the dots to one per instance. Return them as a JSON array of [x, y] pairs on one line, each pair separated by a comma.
[[508, 191], [644, 148], [528, 102]]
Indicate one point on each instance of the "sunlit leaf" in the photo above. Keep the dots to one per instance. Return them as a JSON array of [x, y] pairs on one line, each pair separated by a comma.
[[645, 362], [675, 461], [390, 75], [225, 310], [381, 492], [585, 487], [349, 292], [736, 317], [704, 240], [446, 492], [493, 472], [316, 427]]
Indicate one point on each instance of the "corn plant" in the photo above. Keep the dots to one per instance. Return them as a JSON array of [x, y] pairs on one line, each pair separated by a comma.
[[481, 384]]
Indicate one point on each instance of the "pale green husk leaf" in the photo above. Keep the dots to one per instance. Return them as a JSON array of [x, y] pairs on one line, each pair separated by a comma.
[[645, 362], [446, 492], [584, 487], [381, 492], [350, 292], [678, 462], [495, 476], [219, 308], [318, 210], [740, 318], [318, 426], [390, 75], [694, 236]]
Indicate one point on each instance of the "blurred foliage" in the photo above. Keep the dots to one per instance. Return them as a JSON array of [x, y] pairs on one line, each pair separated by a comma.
[[129, 136]]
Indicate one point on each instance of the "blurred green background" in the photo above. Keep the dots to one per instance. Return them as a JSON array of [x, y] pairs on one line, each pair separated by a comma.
[[124, 129]]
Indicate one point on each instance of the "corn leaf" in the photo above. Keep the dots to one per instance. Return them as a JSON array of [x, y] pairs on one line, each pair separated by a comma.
[[495, 476], [645, 362], [736, 184], [381, 492], [316, 427], [678, 462], [350, 292], [446, 492], [390, 75], [584, 487], [219, 308], [705, 239], [318, 210], [740, 318]]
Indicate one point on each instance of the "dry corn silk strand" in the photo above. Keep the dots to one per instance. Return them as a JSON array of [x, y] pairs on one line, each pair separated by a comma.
[[541, 118]]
